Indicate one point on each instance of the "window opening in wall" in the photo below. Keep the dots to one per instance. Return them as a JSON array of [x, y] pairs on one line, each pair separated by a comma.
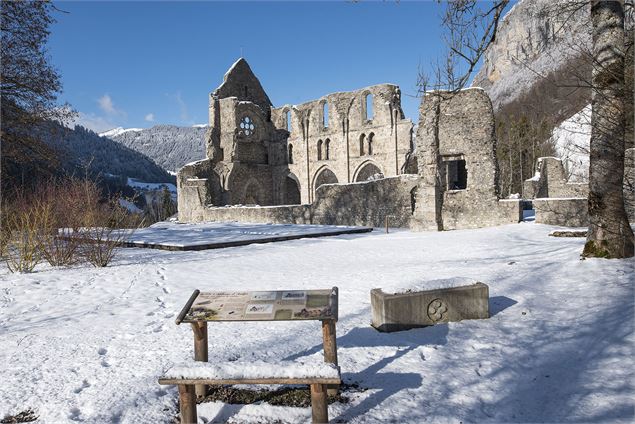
[[413, 199], [362, 140], [327, 149], [325, 115], [246, 90], [290, 153], [247, 126], [455, 174], [370, 143], [289, 120], [369, 107], [319, 150]]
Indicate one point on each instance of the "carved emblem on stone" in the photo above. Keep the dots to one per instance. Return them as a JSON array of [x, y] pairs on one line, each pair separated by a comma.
[[437, 310]]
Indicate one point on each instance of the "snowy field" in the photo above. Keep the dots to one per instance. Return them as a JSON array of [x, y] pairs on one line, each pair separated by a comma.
[[209, 234], [88, 344]]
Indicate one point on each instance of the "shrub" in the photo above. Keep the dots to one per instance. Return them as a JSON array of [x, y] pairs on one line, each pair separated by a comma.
[[63, 221], [22, 223], [104, 230]]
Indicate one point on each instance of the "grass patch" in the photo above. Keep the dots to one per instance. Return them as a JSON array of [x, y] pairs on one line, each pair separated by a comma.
[[23, 417], [569, 233], [297, 396]]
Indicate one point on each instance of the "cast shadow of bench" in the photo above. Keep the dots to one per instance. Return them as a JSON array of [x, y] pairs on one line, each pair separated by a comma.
[[389, 383]]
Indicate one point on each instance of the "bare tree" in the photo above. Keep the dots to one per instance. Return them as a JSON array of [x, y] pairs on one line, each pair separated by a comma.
[[29, 85], [471, 26]]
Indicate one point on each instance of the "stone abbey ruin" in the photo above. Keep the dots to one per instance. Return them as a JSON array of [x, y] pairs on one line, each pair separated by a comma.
[[349, 158]]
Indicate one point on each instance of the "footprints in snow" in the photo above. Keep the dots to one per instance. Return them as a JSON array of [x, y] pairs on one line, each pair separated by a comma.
[[102, 352], [162, 280], [85, 385]]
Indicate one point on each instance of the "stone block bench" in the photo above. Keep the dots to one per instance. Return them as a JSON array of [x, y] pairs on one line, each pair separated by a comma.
[[429, 303], [317, 375]]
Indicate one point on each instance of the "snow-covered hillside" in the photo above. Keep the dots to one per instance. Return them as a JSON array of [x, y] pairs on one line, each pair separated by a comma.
[[571, 139], [87, 344], [169, 146], [79, 148], [118, 131]]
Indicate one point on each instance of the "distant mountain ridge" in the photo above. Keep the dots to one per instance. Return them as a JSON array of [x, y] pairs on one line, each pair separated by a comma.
[[79, 148], [169, 146]]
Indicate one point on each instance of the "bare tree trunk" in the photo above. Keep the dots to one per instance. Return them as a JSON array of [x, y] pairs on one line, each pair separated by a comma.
[[610, 235]]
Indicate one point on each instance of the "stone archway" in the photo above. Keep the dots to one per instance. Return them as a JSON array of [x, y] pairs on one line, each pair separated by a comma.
[[324, 176], [365, 171], [253, 194], [292, 187]]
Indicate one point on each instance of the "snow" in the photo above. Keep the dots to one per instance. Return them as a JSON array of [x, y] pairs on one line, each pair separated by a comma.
[[443, 283], [188, 235], [241, 370], [87, 344], [133, 182], [129, 205], [118, 131], [200, 126], [572, 140]]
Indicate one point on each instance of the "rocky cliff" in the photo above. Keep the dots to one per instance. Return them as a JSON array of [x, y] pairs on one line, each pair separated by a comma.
[[540, 46]]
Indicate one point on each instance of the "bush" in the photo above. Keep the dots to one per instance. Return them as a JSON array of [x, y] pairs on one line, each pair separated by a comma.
[[22, 223], [104, 230], [63, 222]]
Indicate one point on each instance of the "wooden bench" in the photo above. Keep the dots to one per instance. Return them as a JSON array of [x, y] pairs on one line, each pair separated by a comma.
[[187, 376], [278, 305]]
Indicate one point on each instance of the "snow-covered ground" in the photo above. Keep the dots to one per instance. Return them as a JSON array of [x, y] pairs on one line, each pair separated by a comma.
[[88, 345]]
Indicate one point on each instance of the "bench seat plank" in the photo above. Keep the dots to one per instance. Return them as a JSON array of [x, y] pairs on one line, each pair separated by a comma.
[[256, 372], [212, 382]]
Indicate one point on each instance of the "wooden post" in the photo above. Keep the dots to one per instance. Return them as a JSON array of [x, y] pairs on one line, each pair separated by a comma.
[[330, 348], [200, 350], [386, 224], [187, 401], [319, 404]]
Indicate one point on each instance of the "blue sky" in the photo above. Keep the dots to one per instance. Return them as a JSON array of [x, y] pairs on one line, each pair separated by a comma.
[[138, 64]]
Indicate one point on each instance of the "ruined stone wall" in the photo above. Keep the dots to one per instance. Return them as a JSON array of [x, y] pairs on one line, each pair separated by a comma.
[[365, 203], [571, 212], [456, 137], [347, 125], [550, 181]]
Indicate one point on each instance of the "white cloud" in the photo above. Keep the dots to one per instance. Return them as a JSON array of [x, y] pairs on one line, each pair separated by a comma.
[[184, 115], [149, 117], [94, 122], [107, 105]]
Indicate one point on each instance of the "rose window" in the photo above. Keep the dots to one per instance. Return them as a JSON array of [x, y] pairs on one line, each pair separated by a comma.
[[247, 126]]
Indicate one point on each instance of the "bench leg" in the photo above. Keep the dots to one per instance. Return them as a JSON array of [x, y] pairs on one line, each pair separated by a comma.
[[187, 401], [200, 350], [319, 404], [330, 349]]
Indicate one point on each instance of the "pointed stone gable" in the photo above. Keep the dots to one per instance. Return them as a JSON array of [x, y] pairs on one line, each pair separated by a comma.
[[240, 82]]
